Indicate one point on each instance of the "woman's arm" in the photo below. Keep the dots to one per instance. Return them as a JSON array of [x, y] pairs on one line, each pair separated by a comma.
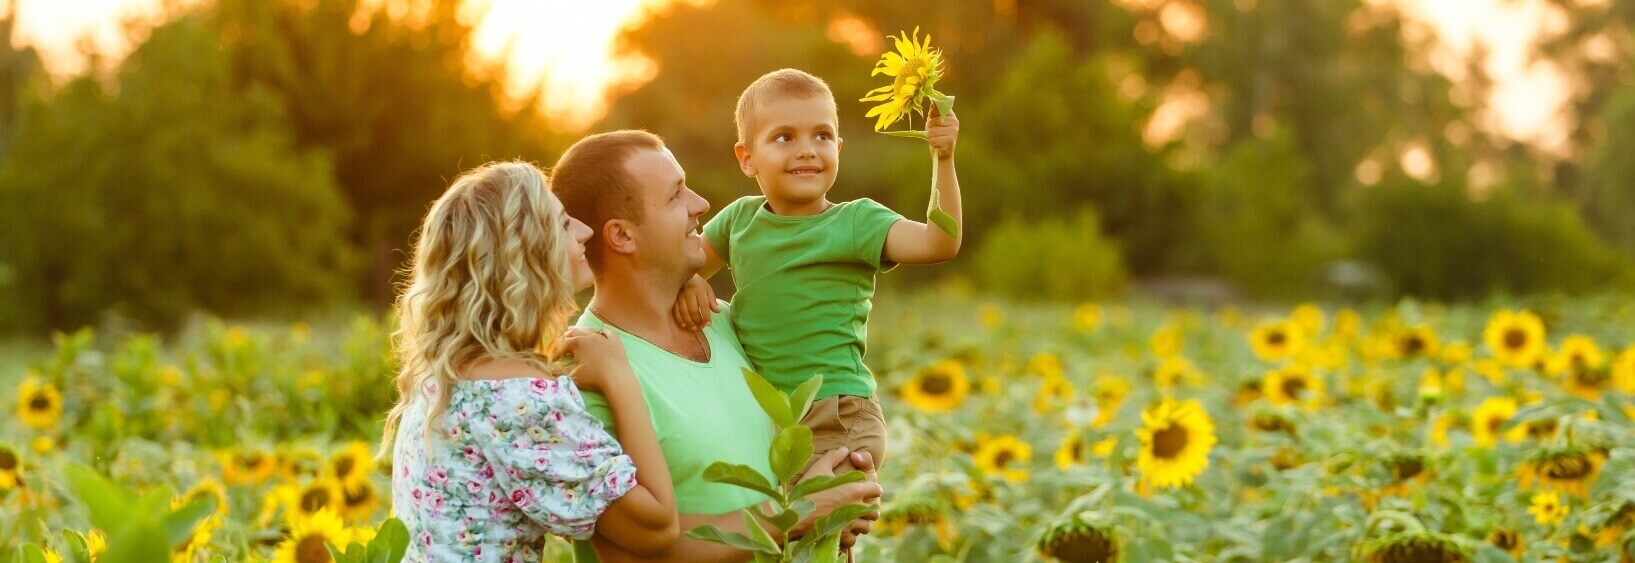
[[644, 520]]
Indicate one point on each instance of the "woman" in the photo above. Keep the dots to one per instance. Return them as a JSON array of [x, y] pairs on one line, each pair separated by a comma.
[[492, 448]]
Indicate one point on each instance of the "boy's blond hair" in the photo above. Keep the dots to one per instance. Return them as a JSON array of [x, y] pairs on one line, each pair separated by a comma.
[[784, 83]]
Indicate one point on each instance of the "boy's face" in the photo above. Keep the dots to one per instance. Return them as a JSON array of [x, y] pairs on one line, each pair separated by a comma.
[[793, 150]]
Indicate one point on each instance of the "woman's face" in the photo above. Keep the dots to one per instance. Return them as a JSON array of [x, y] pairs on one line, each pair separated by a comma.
[[578, 233]]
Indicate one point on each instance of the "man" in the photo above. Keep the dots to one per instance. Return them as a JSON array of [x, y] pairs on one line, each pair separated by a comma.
[[645, 245]]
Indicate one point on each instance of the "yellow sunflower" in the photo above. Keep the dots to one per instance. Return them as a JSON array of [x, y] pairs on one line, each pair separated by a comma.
[[1293, 385], [303, 501], [39, 405], [1003, 456], [352, 465], [1087, 317], [11, 468], [246, 466], [1515, 338], [1509, 541], [1548, 509], [1623, 371], [989, 316], [308, 536], [1053, 392], [1567, 470], [1456, 353], [359, 501], [915, 68], [1109, 392], [1071, 452], [1176, 371], [1347, 323], [1489, 417], [1176, 437], [1166, 342], [1405, 472], [1276, 340], [1309, 317], [917, 513], [1417, 341], [300, 463], [95, 543], [1046, 364], [206, 487], [942, 387]]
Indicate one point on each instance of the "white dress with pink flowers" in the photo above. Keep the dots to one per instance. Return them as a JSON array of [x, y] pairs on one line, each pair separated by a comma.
[[511, 461]]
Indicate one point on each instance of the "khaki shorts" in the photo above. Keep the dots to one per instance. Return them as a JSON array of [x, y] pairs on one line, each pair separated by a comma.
[[846, 420]]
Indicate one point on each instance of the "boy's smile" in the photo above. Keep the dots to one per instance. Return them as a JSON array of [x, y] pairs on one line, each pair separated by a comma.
[[793, 152]]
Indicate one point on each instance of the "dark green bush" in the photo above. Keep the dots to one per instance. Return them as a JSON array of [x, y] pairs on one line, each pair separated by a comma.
[[1052, 259]]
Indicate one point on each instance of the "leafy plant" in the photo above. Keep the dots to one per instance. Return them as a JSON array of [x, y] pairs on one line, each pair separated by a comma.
[[790, 450]]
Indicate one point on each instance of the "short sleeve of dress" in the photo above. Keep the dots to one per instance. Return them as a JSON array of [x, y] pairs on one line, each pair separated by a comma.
[[550, 456], [871, 223]]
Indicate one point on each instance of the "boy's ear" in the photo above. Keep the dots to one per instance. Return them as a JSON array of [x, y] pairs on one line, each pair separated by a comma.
[[741, 152], [619, 236]]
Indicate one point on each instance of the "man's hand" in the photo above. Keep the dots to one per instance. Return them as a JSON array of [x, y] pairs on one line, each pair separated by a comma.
[[865, 492], [695, 304], [942, 131]]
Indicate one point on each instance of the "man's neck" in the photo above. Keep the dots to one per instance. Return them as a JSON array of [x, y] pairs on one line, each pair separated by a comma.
[[639, 305]]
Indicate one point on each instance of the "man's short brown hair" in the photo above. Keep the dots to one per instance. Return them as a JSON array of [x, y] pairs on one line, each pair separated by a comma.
[[593, 185], [786, 83]]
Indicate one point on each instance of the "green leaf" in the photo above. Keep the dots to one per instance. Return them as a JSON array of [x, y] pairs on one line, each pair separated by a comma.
[[391, 542], [742, 476], [711, 533], [77, 550], [834, 522], [134, 541], [945, 103], [908, 134], [179, 524], [820, 483], [339, 556], [790, 451], [109, 504], [30, 553], [800, 401], [819, 549], [774, 402], [943, 221], [784, 519], [758, 534]]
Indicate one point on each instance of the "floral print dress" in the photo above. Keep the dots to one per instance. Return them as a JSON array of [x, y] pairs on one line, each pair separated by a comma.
[[510, 461]]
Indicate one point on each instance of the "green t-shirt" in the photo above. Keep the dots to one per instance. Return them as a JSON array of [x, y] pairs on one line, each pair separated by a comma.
[[702, 413], [804, 285]]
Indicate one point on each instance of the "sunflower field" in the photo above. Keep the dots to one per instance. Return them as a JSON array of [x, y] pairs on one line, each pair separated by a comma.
[[1018, 432]]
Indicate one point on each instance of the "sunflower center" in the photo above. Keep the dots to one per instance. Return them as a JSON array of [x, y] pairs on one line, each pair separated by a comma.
[[1003, 458], [8, 460], [911, 69], [1413, 345], [1504, 539], [311, 550], [1293, 387], [1169, 442], [1541, 428], [1493, 424], [936, 384], [39, 402], [314, 499], [1568, 468], [358, 495], [1276, 338], [1417, 551], [1089, 546], [344, 466], [1406, 469], [1515, 339]]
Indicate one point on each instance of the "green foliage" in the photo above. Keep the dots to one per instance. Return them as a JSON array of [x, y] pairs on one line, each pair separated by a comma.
[[389, 545], [789, 452], [1255, 225], [1052, 259], [1435, 242], [1055, 135], [165, 191]]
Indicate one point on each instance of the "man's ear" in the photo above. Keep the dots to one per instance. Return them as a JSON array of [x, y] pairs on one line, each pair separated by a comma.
[[742, 153], [620, 236]]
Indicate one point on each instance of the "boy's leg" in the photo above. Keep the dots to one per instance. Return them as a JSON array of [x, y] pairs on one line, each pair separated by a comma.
[[853, 422]]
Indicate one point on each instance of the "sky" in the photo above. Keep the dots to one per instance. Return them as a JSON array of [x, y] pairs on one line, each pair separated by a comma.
[[570, 44]]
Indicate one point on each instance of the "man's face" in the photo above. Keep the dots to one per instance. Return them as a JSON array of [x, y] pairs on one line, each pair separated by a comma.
[[668, 234], [794, 149]]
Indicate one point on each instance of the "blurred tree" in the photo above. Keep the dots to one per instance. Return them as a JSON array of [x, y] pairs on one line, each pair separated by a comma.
[[165, 191], [19, 70], [1609, 178], [391, 94]]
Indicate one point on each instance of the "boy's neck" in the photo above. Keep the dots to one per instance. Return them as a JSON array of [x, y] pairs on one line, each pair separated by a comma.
[[799, 209]]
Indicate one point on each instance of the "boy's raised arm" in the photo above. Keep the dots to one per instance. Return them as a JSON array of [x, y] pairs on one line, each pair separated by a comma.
[[913, 242]]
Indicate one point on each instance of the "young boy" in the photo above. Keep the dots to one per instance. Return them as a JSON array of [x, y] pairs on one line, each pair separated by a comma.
[[805, 267]]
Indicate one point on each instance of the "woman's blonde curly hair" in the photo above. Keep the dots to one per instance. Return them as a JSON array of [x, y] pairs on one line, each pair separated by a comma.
[[490, 278]]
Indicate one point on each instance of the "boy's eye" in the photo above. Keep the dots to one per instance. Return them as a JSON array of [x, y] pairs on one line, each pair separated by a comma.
[[825, 136], [781, 137]]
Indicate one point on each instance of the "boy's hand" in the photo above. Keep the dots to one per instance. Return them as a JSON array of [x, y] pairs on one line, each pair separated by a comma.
[[942, 131], [695, 304]]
